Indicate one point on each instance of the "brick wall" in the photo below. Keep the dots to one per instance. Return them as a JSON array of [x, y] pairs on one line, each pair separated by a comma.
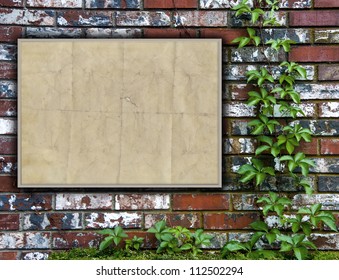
[[34, 222]]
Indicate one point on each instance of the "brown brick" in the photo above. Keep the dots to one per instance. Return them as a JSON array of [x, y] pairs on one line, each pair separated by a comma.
[[329, 146], [10, 33], [326, 241], [8, 184], [200, 202], [189, 220], [8, 145], [12, 3], [309, 148], [328, 72], [7, 70], [170, 4], [314, 53], [314, 18], [150, 241], [74, 201], [9, 221], [227, 35], [142, 201], [8, 255], [68, 240], [169, 33], [229, 220], [8, 108], [326, 3], [201, 18], [8, 165]]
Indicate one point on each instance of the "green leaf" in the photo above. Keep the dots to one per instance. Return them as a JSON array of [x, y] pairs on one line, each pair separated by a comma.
[[295, 227], [243, 42], [261, 149], [265, 139], [186, 247], [300, 252], [259, 225], [289, 147], [285, 247], [315, 208], [306, 228], [256, 40], [105, 243], [271, 237], [248, 177], [260, 177], [279, 209], [251, 31], [269, 170], [285, 238], [233, 246], [246, 168], [106, 231], [330, 223]]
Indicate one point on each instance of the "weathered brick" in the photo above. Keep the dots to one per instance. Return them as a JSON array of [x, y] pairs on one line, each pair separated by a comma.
[[325, 241], [308, 148], [328, 201], [239, 146], [8, 145], [83, 201], [84, 18], [200, 202], [149, 242], [11, 240], [8, 108], [238, 109], [227, 35], [8, 126], [8, 165], [314, 18], [7, 89], [34, 256], [116, 4], [231, 183], [142, 201], [26, 17], [325, 165], [189, 220], [7, 71], [299, 35], [295, 4], [244, 202], [110, 220], [309, 110], [328, 36], [10, 33], [8, 255], [51, 221], [321, 127], [217, 242], [9, 221], [237, 91], [229, 220], [169, 33], [12, 3], [170, 4], [200, 18], [27, 240], [144, 18], [329, 109], [328, 184], [329, 146], [52, 32], [255, 54], [113, 33], [314, 53], [240, 127], [326, 4], [285, 184], [8, 183], [55, 3], [25, 202], [327, 72], [318, 91], [68, 240], [217, 4], [245, 19]]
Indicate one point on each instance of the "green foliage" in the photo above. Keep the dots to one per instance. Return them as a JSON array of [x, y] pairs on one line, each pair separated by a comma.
[[134, 243], [277, 93], [114, 236]]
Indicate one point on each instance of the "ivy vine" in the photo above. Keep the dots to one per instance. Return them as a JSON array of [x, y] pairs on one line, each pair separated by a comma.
[[274, 96]]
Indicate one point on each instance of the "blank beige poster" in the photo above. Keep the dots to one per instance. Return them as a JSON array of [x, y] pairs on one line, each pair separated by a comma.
[[119, 113]]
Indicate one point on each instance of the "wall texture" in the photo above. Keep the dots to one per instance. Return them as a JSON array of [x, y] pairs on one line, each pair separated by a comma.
[[34, 222]]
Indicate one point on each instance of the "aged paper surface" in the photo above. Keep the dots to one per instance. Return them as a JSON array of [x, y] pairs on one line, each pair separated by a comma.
[[119, 112]]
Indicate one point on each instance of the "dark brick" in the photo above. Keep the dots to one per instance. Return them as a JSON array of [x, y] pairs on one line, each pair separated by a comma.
[[227, 35], [229, 220], [328, 36], [239, 146], [51, 221], [314, 53], [321, 127], [9, 221], [53, 32], [8, 255], [189, 220], [10, 33], [200, 202], [7, 89], [327, 72], [255, 54], [25, 202], [8, 184], [326, 3], [170, 4], [284, 184], [299, 35], [8, 108], [8, 52], [115, 4], [8, 145], [245, 19], [7, 70], [143, 18], [169, 33], [68, 240], [314, 18], [12, 3], [84, 18], [8, 165], [328, 183]]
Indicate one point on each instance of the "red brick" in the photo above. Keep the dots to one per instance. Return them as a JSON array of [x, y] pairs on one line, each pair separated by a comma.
[[150, 240], [314, 18], [329, 146], [170, 4], [84, 18], [239, 92], [229, 220], [201, 18], [8, 108], [326, 3], [328, 72], [143, 18], [142, 201], [7, 70], [68, 240], [200, 202], [11, 3], [309, 148], [26, 17], [8, 145], [189, 220], [55, 3], [8, 184], [227, 35], [8, 255], [10, 33], [9, 221], [315, 53], [169, 33]]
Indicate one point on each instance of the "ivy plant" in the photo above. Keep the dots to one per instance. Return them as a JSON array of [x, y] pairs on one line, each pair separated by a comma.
[[275, 96]]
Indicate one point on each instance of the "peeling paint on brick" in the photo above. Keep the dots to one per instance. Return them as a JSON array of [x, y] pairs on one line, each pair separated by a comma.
[[52, 32], [110, 220], [87, 18], [35, 256], [55, 3], [11, 240], [8, 126], [144, 18], [200, 18], [191, 220], [26, 17], [253, 54], [329, 109], [240, 145], [7, 89], [113, 33], [329, 36], [245, 19], [326, 241], [238, 109], [296, 4], [101, 4], [328, 201], [299, 35], [8, 52], [217, 242], [36, 240], [325, 165], [309, 110], [139, 201], [244, 201], [83, 201], [52, 221], [318, 91]]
